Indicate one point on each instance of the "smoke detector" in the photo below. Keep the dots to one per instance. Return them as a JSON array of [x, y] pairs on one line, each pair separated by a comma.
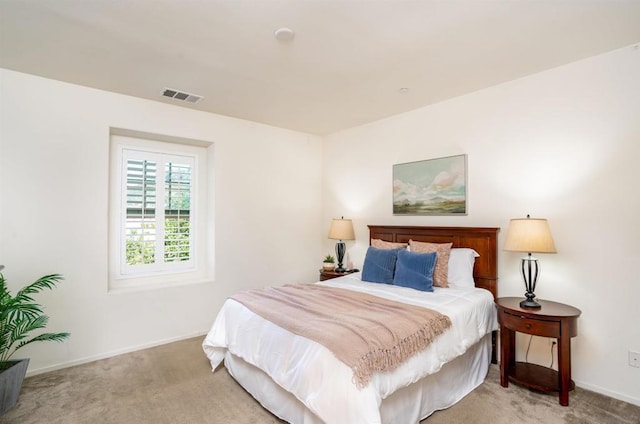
[[181, 95], [284, 34]]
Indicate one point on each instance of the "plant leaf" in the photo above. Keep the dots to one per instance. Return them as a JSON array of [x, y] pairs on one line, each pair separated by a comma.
[[48, 282], [45, 337], [25, 326], [21, 315]]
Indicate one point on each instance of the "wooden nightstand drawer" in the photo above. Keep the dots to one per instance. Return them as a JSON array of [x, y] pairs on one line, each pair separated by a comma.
[[529, 326]]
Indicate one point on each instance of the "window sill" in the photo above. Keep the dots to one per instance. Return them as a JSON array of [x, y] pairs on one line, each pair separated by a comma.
[[123, 287]]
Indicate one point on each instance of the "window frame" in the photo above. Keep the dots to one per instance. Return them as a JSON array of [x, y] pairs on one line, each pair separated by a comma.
[[197, 269]]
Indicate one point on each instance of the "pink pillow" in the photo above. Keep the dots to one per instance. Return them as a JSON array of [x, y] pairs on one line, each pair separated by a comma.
[[442, 263], [381, 244]]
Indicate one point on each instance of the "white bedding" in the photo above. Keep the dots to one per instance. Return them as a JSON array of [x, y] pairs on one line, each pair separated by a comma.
[[321, 382]]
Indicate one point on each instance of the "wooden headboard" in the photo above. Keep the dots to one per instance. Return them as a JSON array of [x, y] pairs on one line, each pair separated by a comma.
[[482, 240]]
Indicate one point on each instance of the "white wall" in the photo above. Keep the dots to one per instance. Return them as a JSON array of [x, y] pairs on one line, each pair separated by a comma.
[[54, 160], [563, 145]]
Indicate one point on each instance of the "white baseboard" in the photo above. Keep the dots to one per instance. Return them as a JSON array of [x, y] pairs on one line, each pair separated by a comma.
[[606, 392], [114, 353]]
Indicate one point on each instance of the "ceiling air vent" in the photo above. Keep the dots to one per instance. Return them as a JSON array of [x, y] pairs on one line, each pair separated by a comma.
[[181, 95]]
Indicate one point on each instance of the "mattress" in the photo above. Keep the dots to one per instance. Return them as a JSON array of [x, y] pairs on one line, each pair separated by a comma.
[[315, 378]]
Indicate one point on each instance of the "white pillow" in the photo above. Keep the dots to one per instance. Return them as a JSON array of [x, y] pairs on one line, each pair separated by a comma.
[[461, 261]]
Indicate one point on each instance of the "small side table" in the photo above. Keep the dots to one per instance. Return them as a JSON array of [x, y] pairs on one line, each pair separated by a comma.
[[553, 319], [328, 275]]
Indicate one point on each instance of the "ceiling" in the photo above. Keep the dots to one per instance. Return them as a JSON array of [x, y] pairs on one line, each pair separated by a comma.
[[351, 61]]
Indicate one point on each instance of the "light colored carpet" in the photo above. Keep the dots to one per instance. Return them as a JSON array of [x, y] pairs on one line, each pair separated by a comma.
[[173, 384]]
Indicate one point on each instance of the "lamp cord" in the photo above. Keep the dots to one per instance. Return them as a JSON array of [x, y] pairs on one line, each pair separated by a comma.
[[526, 357]]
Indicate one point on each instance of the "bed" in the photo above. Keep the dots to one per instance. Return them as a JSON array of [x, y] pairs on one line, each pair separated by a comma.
[[301, 381]]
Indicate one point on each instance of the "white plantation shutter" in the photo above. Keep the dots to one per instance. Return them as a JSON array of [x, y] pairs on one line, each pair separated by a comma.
[[157, 212], [177, 209], [140, 220]]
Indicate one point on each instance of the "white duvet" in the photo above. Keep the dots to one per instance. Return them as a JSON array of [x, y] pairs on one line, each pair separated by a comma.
[[324, 384]]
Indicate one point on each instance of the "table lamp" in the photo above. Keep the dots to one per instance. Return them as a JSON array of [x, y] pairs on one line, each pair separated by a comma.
[[530, 235], [341, 229]]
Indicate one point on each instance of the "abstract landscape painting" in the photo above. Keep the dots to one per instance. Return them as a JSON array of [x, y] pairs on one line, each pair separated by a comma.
[[431, 187]]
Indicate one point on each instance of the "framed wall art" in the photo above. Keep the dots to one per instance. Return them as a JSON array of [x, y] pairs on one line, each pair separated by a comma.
[[431, 187]]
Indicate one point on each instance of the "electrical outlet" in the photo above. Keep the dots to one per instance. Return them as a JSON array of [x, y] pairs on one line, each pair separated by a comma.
[[634, 359]]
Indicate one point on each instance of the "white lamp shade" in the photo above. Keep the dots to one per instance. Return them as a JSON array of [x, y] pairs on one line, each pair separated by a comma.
[[341, 229], [531, 235]]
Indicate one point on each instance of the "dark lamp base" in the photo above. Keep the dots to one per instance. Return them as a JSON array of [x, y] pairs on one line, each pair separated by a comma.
[[530, 303]]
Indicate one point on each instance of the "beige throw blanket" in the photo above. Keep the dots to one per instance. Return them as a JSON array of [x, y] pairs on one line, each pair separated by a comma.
[[368, 333]]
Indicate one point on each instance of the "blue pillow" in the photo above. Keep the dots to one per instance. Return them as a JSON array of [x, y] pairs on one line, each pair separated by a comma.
[[415, 270], [379, 265]]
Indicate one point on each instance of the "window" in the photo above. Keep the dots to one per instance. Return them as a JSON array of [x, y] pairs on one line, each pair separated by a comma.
[[156, 212]]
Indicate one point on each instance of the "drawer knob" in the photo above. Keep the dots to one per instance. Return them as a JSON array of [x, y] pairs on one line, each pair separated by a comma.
[[528, 326]]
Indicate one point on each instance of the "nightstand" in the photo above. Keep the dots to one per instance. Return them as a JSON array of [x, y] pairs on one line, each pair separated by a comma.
[[554, 320], [328, 275]]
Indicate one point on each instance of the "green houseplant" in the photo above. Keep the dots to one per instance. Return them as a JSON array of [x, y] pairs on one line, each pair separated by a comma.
[[20, 316], [329, 263]]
